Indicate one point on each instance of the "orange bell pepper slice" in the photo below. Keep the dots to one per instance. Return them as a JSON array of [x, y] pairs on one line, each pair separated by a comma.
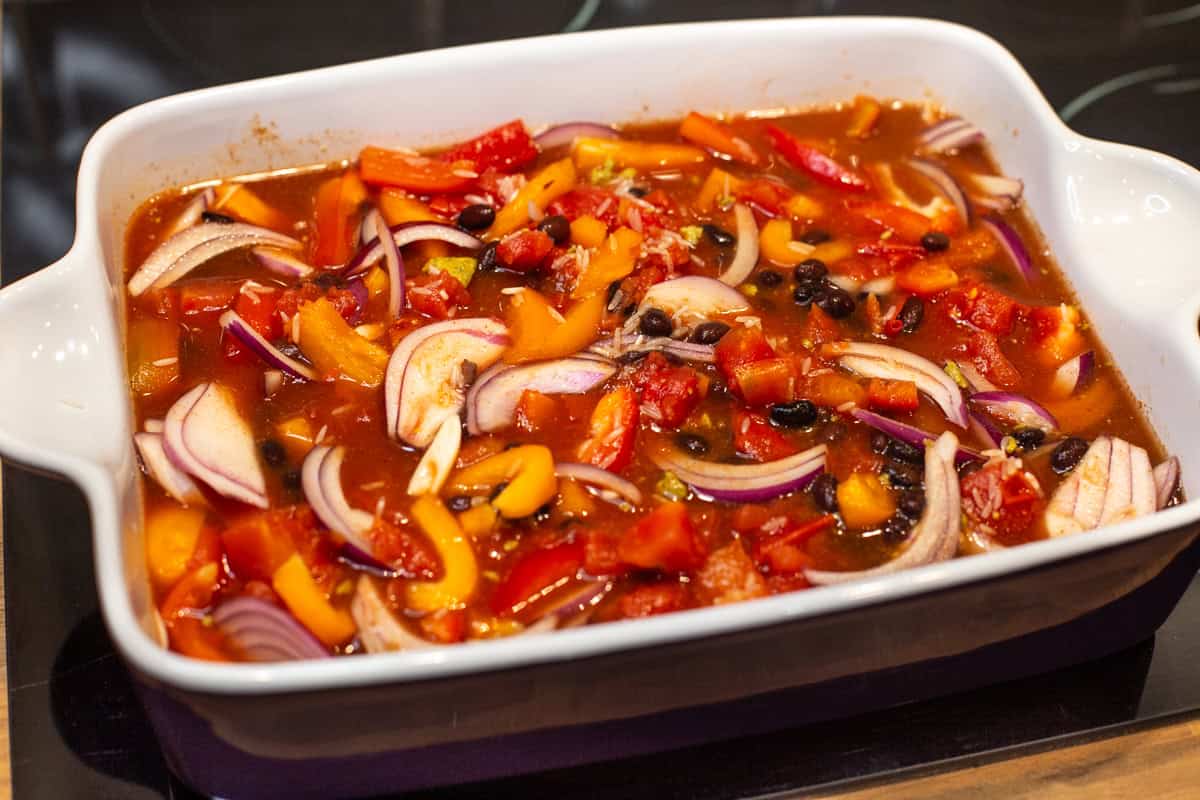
[[718, 185], [865, 117], [171, 537], [335, 350], [237, 200], [589, 152], [529, 472], [381, 167], [775, 243], [539, 333], [541, 190], [306, 600], [928, 278], [714, 135], [338, 202], [398, 207], [864, 501], [610, 262], [460, 570], [587, 231]]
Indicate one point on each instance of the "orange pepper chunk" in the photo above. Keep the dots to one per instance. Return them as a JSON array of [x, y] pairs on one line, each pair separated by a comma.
[[610, 262], [717, 186], [928, 277], [236, 200], [587, 231], [541, 190], [717, 136], [397, 207], [338, 202], [171, 537], [305, 599], [589, 153], [335, 349], [460, 570], [538, 332], [776, 244]]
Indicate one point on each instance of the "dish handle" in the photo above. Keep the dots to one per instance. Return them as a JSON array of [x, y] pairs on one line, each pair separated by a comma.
[[63, 405]]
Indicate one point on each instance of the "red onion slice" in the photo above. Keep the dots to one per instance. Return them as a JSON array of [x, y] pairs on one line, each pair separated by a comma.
[[689, 301], [192, 212], [950, 134], [395, 268], [1074, 375], [602, 478], [281, 262], [1112, 483], [745, 258], [190, 248], [935, 536], [946, 184], [378, 629], [262, 631], [233, 323], [171, 478], [1011, 244], [984, 429], [367, 231], [1166, 481], [1016, 408], [688, 351], [206, 437], [892, 363], [321, 479], [1000, 192], [437, 461], [574, 609], [407, 233], [910, 434], [743, 483], [493, 399], [568, 132]]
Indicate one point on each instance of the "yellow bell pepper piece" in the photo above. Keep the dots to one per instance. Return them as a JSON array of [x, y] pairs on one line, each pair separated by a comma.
[[171, 536], [800, 206], [776, 244], [376, 281], [610, 262], [460, 572], [478, 521], [589, 153], [864, 501], [235, 199], [398, 207], [718, 185], [587, 231], [335, 349], [574, 500], [832, 252], [153, 355], [305, 599], [529, 472], [538, 332], [297, 436], [542, 189]]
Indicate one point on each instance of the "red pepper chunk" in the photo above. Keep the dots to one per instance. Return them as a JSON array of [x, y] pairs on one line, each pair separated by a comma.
[[755, 437], [257, 306], [984, 350], [535, 575], [587, 201], [381, 167], [812, 161], [664, 539], [668, 393], [524, 250], [983, 307], [655, 598], [885, 395], [908, 226], [506, 148], [766, 382], [612, 431], [741, 346]]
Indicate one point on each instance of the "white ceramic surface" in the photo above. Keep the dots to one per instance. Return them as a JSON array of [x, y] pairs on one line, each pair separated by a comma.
[[1124, 223]]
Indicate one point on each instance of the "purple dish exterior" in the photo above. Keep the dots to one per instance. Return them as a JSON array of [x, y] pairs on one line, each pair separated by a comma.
[[375, 740]]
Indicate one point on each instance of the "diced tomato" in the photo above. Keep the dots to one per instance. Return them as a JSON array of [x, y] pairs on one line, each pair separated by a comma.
[[1003, 507], [754, 436], [897, 255], [768, 196], [741, 346], [208, 548], [446, 626], [729, 576], [381, 167], [908, 226], [984, 351], [668, 393], [536, 411], [524, 250], [343, 300], [664, 539], [257, 544], [336, 218], [405, 552], [763, 383], [655, 598], [208, 296], [784, 559], [535, 575], [813, 162], [256, 305], [587, 201], [718, 136], [983, 307], [820, 328], [885, 395], [449, 206], [612, 431], [1056, 333], [783, 552], [436, 295], [506, 148], [600, 555]]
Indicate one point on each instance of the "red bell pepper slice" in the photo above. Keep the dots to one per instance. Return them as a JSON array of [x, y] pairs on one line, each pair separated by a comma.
[[381, 167], [809, 159], [536, 575]]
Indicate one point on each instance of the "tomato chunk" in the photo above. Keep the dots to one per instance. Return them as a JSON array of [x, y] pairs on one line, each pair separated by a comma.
[[1004, 507], [612, 431], [983, 307], [437, 295], [755, 437], [741, 346], [885, 395], [535, 575], [655, 598], [506, 148], [668, 393], [763, 383], [664, 539], [256, 305], [524, 250]]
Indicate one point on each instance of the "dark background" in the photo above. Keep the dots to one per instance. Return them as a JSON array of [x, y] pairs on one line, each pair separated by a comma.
[[1124, 71]]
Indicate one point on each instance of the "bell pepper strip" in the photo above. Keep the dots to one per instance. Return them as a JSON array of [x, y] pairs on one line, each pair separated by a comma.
[[182, 611], [739, 347], [336, 218], [813, 162], [864, 118], [237, 200], [305, 599], [541, 190], [153, 355], [335, 349], [535, 576], [886, 395], [928, 277], [718, 137], [478, 521], [536, 411], [460, 571], [539, 332], [527, 470], [587, 231], [644, 156], [171, 537], [398, 207], [574, 500], [718, 190], [863, 501], [664, 539], [257, 545], [612, 431], [297, 436], [505, 148], [381, 167], [907, 226], [776, 244], [612, 261]]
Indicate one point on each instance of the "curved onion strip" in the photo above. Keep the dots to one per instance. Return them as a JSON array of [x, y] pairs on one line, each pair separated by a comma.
[[1016, 408], [1000, 192], [1010, 242], [743, 483], [171, 478], [232, 322], [263, 631], [587, 473], [950, 134], [974, 542], [946, 184], [1166, 481], [935, 536], [192, 212], [367, 232], [190, 248], [910, 434], [1074, 375], [1112, 483], [983, 428], [746, 256], [882, 361], [438, 460], [406, 233], [320, 476], [689, 300], [395, 268], [492, 401], [204, 435], [688, 351], [281, 262], [567, 132], [378, 629], [574, 609]]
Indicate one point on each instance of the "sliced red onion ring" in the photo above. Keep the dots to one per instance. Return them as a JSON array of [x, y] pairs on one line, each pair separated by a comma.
[[171, 478], [688, 351], [950, 134], [689, 300], [1016, 408], [574, 609], [395, 268], [192, 212], [743, 483], [892, 363], [281, 262], [190, 248], [153, 426], [232, 322], [321, 478], [1166, 481], [910, 434], [367, 231], [1113, 483], [425, 379], [935, 536], [984, 428], [1010, 242], [745, 257], [1074, 375], [378, 629], [262, 631], [1000, 192], [438, 460], [493, 399], [976, 382], [206, 437], [570, 131], [407, 233], [946, 184], [586, 473]]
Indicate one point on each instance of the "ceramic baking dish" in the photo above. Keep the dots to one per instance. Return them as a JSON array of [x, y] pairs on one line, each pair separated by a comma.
[[1124, 223]]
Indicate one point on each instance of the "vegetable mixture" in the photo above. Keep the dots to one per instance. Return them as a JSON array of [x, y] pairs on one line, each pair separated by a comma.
[[529, 383]]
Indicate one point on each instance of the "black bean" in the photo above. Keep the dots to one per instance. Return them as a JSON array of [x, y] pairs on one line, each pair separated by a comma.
[[835, 301], [935, 241], [1068, 454], [709, 332], [911, 314], [799, 414], [328, 280], [903, 475], [1029, 438], [768, 279], [719, 236], [911, 504], [273, 453], [469, 370], [655, 322], [824, 492], [895, 529], [632, 356], [220, 219], [879, 442], [291, 480], [543, 513], [476, 217], [557, 227], [815, 236], [487, 257], [811, 269], [639, 191], [903, 451], [459, 502], [803, 293], [693, 443]]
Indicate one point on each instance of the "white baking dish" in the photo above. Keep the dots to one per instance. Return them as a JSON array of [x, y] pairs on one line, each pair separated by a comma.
[[1124, 224]]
